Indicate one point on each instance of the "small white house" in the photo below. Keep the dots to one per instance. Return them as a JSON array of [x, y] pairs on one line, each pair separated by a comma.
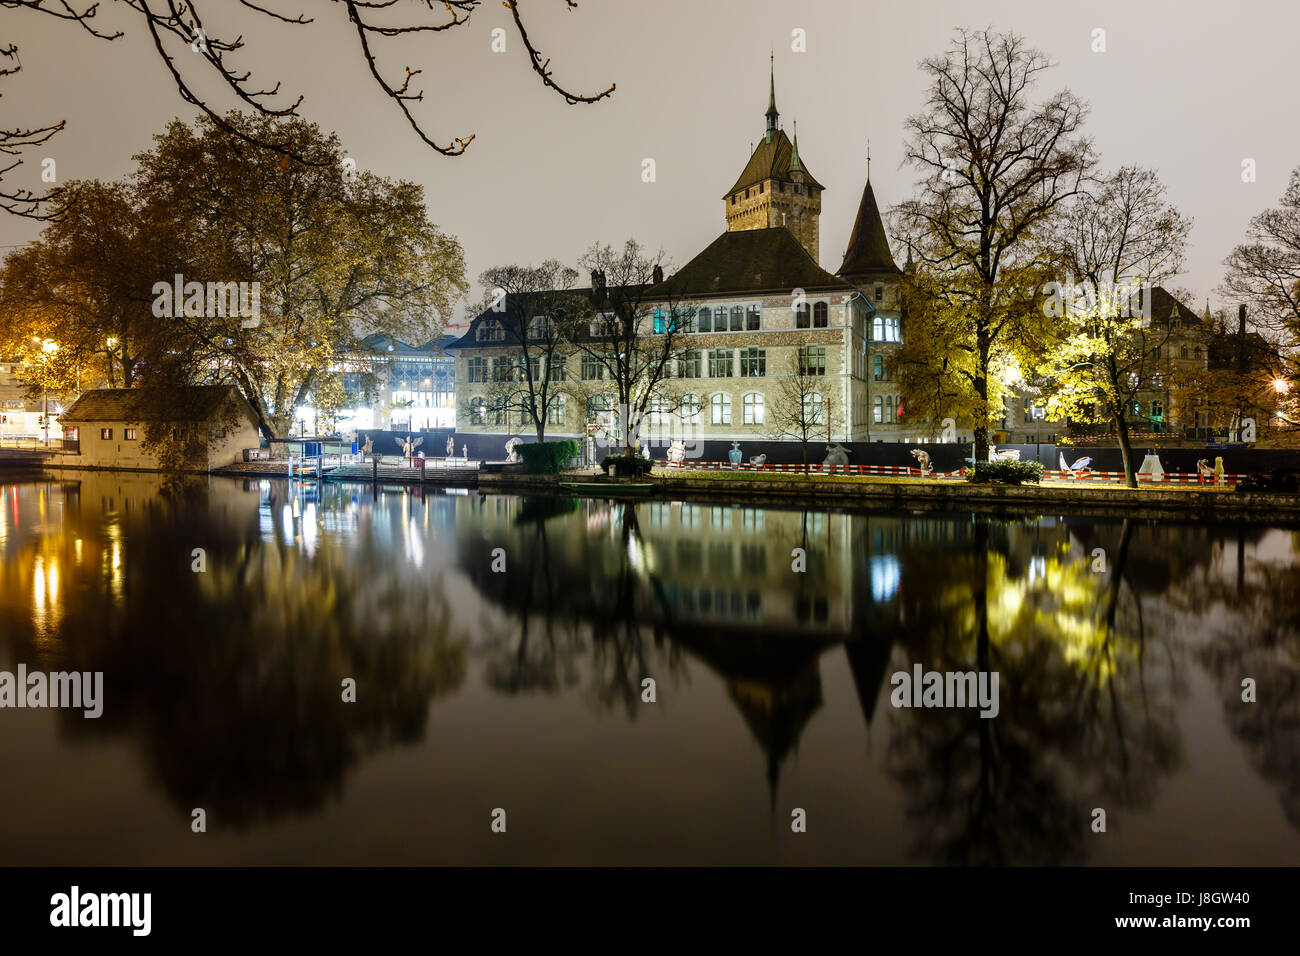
[[110, 425]]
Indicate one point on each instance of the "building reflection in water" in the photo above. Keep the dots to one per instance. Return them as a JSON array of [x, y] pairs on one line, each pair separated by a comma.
[[228, 680]]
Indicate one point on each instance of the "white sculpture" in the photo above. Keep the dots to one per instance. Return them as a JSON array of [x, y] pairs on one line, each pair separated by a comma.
[[923, 459], [1203, 470], [836, 454], [368, 448], [512, 449], [464, 451], [408, 445], [758, 459], [1081, 465], [677, 451], [451, 447], [1009, 455]]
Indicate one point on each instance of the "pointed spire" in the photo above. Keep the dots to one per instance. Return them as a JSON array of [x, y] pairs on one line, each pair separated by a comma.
[[868, 160], [868, 254], [772, 115], [795, 163], [1208, 317]]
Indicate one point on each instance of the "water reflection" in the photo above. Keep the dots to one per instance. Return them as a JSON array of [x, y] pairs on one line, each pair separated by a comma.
[[1120, 645]]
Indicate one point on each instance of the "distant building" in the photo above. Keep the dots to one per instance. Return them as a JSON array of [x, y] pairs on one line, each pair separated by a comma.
[[110, 425], [20, 416], [392, 385]]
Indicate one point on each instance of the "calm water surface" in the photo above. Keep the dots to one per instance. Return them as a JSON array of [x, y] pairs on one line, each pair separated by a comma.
[[521, 688]]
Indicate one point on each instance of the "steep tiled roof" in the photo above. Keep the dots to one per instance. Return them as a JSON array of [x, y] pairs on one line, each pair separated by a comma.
[[771, 160], [868, 255], [190, 403], [751, 260]]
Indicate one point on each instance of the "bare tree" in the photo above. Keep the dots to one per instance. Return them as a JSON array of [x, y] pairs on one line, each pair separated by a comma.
[[996, 167], [24, 202], [194, 46], [803, 408], [632, 336], [538, 304], [1119, 241], [1264, 272]]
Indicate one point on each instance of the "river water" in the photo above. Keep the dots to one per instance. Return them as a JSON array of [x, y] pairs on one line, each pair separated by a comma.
[[501, 653]]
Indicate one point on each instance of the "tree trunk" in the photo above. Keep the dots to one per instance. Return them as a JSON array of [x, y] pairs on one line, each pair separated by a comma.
[[1126, 450], [805, 457]]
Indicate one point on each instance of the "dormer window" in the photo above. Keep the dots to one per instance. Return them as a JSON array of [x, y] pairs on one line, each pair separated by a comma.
[[491, 331], [537, 327]]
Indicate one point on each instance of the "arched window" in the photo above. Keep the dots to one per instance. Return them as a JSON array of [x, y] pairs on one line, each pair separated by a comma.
[[555, 410], [477, 411], [877, 409], [753, 318], [889, 408], [878, 367], [801, 316], [705, 318], [821, 315], [753, 409], [813, 408], [597, 407], [690, 411], [537, 328], [737, 318], [721, 408]]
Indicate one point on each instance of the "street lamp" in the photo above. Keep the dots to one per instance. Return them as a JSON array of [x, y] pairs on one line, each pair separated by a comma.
[[48, 348], [1281, 386]]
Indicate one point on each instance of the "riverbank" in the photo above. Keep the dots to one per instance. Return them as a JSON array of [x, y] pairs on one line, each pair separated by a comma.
[[921, 493]]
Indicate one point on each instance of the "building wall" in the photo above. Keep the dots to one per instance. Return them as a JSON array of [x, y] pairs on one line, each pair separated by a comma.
[[119, 451], [778, 338]]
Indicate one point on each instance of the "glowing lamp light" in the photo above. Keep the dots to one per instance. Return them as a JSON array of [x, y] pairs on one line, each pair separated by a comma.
[[1281, 386]]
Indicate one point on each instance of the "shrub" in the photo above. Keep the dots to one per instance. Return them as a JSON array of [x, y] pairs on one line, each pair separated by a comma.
[[1279, 480], [630, 465], [548, 457], [1004, 472]]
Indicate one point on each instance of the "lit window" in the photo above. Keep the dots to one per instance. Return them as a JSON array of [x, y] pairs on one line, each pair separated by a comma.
[[720, 363], [690, 410], [106, 434], [753, 362], [753, 409], [813, 408], [721, 408], [129, 434], [878, 409]]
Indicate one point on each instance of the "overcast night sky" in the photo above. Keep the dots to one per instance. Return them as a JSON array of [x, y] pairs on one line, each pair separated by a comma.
[[1188, 87]]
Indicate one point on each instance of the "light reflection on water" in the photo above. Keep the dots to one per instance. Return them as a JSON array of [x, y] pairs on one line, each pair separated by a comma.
[[522, 687]]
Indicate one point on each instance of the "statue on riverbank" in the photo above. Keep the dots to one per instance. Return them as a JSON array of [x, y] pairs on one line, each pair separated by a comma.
[[368, 449], [735, 455], [923, 459], [408, 446], [677, 452], [451, 447], [836, 454], [512, 450]]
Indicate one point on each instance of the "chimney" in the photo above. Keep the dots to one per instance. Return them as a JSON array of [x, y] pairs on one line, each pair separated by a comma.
[[658, 274], [598, 286]]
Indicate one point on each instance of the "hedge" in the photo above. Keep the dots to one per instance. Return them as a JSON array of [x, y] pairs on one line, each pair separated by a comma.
[[1006, 472], [548, 457]]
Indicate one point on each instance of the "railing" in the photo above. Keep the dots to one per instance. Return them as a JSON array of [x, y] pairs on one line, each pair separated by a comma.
[[900, 471], [38, 443]]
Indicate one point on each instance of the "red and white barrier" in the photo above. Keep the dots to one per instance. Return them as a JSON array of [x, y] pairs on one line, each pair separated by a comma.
[[914, 472]]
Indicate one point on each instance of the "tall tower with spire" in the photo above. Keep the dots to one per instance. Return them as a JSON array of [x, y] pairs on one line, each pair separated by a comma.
[[868, 262], [775, 189]]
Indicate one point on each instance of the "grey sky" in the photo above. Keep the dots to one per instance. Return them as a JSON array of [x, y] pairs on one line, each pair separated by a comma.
[[1191, 87]]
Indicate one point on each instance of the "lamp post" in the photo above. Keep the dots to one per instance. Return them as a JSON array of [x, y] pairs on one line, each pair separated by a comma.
[[48, 348]]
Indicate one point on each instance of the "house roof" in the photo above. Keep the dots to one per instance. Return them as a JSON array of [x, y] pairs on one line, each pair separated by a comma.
[[378, 341], [186, 403], [868, 255], [771, 160], [750, 261]]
